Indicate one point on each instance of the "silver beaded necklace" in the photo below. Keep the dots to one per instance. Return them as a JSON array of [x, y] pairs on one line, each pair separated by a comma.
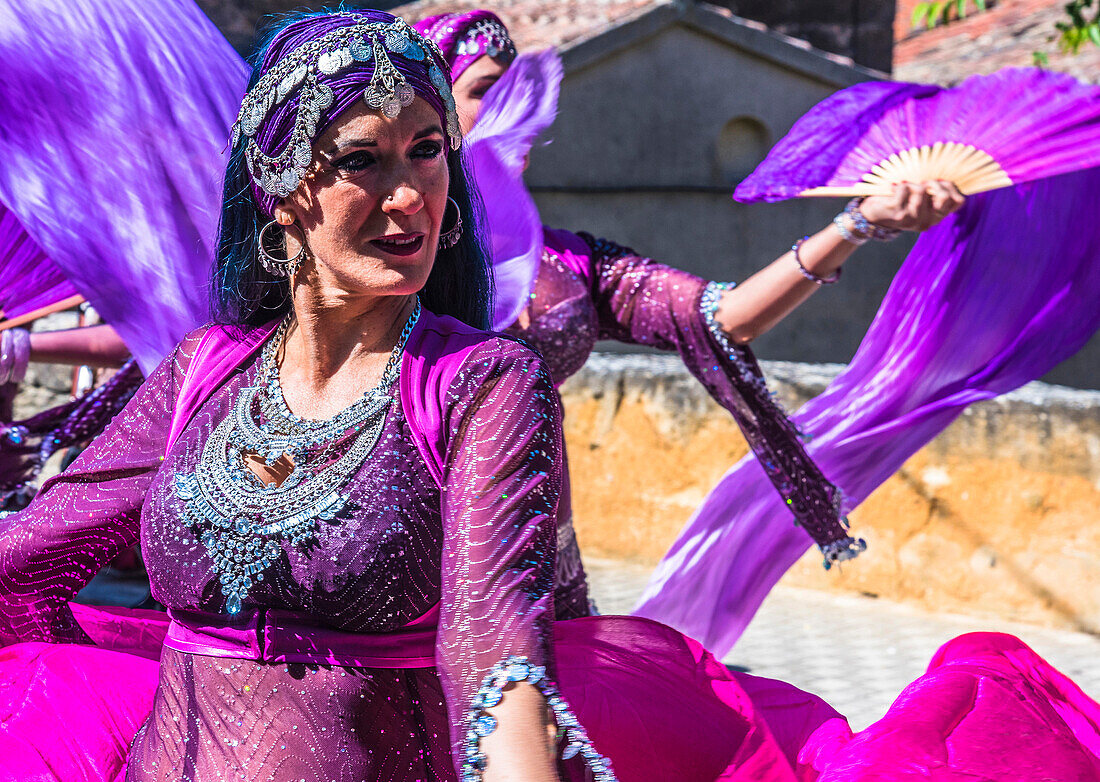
[[239, 519]]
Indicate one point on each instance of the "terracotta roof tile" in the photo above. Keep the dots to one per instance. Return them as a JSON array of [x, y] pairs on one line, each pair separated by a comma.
[[538, 24], [1005, 36]]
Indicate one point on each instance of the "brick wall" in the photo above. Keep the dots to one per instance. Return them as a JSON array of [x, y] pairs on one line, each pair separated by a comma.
[[1006, 35]]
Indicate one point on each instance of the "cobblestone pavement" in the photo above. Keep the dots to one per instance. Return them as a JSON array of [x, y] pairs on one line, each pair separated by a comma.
[[857, 653]]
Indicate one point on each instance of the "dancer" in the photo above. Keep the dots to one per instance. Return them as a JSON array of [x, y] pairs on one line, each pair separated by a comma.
[[587, 289], [361, 583]]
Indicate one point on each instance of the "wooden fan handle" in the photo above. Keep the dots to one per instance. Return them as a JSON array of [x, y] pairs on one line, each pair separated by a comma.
[[853, 191], [41, 312]]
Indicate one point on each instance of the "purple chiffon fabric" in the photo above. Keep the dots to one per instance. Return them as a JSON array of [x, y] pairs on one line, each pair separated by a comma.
[[1032, 122], [114, 117], [520, 106], [992, 298], [28, 278]]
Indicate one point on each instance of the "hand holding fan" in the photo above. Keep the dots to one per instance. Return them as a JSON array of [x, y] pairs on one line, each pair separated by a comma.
[[989, 132]]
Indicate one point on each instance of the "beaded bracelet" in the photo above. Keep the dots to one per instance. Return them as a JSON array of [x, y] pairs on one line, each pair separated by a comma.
[[864, 227], [845, 233], [809, 275]]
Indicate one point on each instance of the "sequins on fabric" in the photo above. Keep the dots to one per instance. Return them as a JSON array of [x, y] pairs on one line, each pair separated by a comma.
[[238, 517], [482, 547], [633, 299], [560, 321]]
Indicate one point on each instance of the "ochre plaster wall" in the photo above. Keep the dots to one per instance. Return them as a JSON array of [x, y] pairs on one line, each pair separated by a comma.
[[998, 516]]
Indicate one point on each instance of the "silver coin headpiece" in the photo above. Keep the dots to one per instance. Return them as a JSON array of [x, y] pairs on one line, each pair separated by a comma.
[[487, 36], [300, 72]]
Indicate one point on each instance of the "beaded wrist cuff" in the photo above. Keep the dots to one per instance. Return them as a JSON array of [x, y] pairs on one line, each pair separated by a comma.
[[708, 308], [864, 228], [479, 724], [840, 222], [842, 550]]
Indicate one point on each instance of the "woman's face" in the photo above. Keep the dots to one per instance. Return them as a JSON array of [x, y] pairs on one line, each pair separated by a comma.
[[471, 86], [371, 206]]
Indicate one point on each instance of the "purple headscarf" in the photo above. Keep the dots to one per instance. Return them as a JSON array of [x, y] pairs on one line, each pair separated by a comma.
[[347, 85], [465, 37]]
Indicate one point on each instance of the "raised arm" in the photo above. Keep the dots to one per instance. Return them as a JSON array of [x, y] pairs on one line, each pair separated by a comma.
[[500, 492], [764, 299], [95, 346], [84, 517]]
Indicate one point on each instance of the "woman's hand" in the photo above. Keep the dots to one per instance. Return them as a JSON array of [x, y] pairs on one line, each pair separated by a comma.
[[913, 207], [15, 352]]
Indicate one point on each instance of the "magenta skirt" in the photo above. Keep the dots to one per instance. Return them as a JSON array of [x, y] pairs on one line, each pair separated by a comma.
[[656, 703]]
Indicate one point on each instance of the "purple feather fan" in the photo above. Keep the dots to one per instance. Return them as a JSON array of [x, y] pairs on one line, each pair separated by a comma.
[[1012, 127], [515, 111], [29, 280]]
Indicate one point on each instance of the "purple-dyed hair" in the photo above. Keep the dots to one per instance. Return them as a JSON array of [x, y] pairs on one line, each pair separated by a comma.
[[450, 30], [347, 85]]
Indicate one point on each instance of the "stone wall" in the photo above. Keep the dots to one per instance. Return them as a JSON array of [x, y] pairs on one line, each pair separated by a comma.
[[998, 516], [859, 29]]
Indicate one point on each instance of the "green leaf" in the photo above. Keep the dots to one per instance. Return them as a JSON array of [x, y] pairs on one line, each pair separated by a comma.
[[920, 11], [980, 4], [935, 16], [1094, 33], [960, 8]]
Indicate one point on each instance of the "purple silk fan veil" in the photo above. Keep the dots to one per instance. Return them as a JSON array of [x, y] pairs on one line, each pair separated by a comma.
[[28, 278], [992, 298], [521, 105], [114, 118]]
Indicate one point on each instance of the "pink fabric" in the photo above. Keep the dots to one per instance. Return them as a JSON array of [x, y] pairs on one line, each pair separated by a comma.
[[657, 704], [274, 637], [573, 251], [221, 350], [70, 712], [988, 710], [436, 349]]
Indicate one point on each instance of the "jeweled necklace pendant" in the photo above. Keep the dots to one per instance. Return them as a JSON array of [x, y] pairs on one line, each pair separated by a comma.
[[240, 520]]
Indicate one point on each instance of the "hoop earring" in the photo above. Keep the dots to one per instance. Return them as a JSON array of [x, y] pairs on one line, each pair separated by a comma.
[[278, 267], [450, 237]]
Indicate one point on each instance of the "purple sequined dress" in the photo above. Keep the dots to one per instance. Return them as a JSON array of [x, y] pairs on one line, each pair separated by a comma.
[[481, 548]]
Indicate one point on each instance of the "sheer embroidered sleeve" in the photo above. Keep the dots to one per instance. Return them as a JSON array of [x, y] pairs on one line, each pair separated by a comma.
[[500, 489], [84, 517], [641, 301]]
